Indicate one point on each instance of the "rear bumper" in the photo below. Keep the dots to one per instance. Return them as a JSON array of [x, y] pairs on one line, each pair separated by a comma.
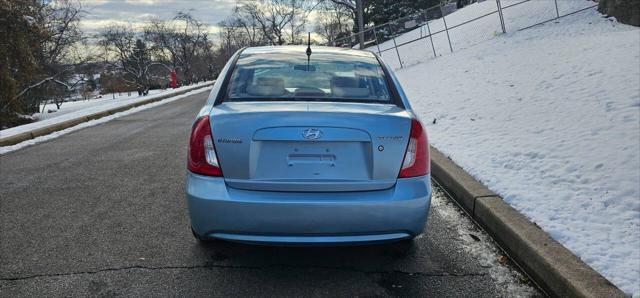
[[219, 211]]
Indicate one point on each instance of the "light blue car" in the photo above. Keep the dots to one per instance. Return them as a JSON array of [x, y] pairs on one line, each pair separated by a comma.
[[300, 145]]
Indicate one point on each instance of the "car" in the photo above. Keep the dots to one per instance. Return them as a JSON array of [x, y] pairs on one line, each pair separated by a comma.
[[307, 145]]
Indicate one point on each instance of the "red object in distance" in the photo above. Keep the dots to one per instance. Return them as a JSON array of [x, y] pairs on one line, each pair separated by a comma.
[[174, 79]]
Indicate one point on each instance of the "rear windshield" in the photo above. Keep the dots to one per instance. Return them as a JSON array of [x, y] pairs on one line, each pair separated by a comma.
[[324, 76]]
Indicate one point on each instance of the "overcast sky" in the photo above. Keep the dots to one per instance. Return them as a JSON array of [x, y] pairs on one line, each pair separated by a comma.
[[100, 13]]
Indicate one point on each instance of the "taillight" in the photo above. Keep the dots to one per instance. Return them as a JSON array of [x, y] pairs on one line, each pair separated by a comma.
[[416, 159], [202, 154]]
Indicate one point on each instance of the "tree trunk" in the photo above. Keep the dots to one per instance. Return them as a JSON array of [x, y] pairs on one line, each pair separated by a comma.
[[625, 11]]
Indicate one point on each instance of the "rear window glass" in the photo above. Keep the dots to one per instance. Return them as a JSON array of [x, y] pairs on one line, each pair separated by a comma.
[[324, 76]]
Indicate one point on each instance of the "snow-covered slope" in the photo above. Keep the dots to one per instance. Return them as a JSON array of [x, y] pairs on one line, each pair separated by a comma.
[[549, 118], [517, 15]]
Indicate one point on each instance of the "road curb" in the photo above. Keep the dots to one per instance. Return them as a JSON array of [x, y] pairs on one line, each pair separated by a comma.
[[551, 265], [18, 138]]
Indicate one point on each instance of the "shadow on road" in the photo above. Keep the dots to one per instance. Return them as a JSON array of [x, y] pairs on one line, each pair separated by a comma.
[[324, 256], [387, 269]]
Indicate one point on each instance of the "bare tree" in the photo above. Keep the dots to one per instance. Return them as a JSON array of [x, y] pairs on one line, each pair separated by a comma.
[[359, 13], [240, 30], [192, 37], [334, 21], [300, 9], [61, 24], [179, 41], [128, 53], [349, 5], [250, 34], [272, 17], [163, 37], [231, 37]]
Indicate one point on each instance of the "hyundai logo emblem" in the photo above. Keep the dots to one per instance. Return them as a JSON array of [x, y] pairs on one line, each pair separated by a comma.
[[312, 134]]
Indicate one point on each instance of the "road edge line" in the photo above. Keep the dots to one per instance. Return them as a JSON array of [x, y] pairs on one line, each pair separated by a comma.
[[41, 131], [551, 265]]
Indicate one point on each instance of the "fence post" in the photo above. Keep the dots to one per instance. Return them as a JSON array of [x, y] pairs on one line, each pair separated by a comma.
[[431, 37], [446, 30], [376, 38], [557, 12], [420, 26], [504, 30], [395, 45]]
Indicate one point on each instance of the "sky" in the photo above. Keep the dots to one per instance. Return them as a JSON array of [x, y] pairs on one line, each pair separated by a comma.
[[101, 13]]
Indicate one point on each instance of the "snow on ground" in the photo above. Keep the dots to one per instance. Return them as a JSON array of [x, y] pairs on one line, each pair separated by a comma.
[[516, 17], [106, 99], [75, 109], [549, 118], [7, 149], [509, 282]]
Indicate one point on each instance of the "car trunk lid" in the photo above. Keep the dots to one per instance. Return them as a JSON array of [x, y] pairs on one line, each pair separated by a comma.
[[310, 146]]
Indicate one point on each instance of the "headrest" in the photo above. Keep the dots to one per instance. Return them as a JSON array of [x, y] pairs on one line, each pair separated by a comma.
[[347, 87], [267, 86], [344, 82]]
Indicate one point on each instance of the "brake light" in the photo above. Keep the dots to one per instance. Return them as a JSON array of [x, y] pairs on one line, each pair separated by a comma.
[[202, 157], [416, 159]]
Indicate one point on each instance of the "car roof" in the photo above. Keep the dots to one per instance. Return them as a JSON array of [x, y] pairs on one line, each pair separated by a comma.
[[301, 49]]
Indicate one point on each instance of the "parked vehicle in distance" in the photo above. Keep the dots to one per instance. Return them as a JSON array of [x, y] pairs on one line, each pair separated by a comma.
[[298, 145]]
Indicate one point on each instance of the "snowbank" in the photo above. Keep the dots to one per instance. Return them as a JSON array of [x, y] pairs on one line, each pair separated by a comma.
[[549, 118], [53, 135], [76, 109]]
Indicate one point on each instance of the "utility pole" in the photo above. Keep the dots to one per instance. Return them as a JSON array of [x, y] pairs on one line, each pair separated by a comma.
[[228, 42], [360, 10]]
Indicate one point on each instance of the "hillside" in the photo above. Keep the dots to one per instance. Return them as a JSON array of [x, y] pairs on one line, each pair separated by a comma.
[[548, 117]]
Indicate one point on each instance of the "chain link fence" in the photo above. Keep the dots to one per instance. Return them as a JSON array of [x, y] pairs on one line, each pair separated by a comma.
[[442, 29]]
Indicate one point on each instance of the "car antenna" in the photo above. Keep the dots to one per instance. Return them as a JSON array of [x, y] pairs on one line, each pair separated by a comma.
[[308, 50]]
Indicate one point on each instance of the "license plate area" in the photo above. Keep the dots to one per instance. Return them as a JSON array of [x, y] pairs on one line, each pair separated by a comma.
[[296, 160], [301, 159]]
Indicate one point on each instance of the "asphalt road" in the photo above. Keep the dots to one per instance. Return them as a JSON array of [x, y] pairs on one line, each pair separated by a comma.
[[101, 212]]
